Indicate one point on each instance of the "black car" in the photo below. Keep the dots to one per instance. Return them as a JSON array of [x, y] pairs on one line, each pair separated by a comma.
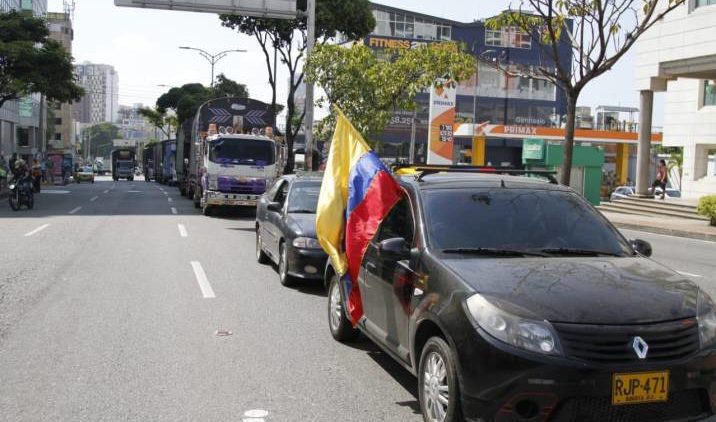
[[286, 228], [513, 299]]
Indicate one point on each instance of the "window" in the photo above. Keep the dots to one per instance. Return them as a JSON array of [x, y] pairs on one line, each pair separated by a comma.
[[511, 37], [398, 223], [58, 121], [23, 137], [699, 3], [58, 136], [282, 193], [710, 92], [304, 197]]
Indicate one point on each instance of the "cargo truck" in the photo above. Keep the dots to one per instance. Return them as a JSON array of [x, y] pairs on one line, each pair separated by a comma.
[[123, 163]]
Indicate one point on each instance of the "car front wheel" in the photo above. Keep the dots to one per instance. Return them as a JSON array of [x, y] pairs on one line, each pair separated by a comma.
[[338, 322], [283, 275], [437, 383], [261, 256]]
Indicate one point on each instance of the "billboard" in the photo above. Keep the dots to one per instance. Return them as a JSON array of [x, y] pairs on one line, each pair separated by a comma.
[[442, 122], [281, 9]]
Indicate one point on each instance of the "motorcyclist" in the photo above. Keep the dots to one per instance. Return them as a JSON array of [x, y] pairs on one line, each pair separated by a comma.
[[21, 174]]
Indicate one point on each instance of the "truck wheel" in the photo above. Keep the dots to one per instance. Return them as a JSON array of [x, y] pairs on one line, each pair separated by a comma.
[[207, 210]]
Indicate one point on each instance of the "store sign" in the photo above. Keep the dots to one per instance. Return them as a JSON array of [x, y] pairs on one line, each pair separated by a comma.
[[520, 130], [533, 149], [25, 106], [279, 9], [377, 43], [442, 123]]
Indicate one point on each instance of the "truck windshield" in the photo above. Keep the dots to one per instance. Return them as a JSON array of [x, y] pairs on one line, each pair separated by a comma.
[[519, 220], [253, 152], [124, 165]]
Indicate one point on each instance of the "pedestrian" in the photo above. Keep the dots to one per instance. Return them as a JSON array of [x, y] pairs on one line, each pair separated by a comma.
[[43, 169], [36, 173], [51, 171], [661, 179]]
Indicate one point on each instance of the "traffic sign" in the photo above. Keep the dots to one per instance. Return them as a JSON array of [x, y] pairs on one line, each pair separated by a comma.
[[279, 9]]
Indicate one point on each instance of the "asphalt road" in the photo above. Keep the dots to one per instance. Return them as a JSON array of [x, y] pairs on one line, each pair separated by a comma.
[[112, 294]]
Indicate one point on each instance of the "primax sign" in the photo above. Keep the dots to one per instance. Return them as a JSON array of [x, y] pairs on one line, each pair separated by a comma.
[[279, 9]]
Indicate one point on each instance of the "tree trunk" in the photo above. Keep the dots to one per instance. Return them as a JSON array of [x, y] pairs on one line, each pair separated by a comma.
[[569, 137], [290, 111]]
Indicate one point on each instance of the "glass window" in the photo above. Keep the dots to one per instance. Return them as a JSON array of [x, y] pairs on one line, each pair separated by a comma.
[[282, 192], [517, 219], [272, 192], [398, 223], [710, 93], [511, 37], [700, 3], [304, 197], [242, 152]]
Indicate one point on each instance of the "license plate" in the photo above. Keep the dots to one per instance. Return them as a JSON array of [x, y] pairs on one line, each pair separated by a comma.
[[640, 387]]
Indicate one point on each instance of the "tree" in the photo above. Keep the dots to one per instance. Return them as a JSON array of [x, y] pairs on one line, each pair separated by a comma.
[[598, 33], [160, 119], [32, 62], [187, 99], [225, 87], [368, 89], [100, 137], [287, 38]]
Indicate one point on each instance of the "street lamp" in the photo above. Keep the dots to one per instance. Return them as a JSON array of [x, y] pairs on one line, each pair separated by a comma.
[[212, 58]]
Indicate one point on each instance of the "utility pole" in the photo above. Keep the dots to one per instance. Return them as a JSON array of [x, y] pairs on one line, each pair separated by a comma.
[[411, 157], [308, 120], [212, 58]]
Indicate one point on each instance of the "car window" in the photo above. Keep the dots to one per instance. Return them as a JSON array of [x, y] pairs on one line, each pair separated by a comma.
[[303, 197], [281, 193], [518, 219], [398, 223], [271, 193]]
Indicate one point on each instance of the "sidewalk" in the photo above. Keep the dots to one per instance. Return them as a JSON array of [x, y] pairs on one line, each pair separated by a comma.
[[680, 227]]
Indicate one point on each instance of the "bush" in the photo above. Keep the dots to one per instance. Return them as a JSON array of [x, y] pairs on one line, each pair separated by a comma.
[[707, 207]]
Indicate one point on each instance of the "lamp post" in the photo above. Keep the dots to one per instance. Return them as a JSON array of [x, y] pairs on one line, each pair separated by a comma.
[[212, 58]]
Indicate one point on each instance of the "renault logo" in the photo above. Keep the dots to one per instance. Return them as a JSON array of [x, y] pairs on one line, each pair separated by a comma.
[[640, 347]]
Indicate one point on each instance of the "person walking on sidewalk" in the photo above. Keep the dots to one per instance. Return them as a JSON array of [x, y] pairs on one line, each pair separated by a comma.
[[50, 171], [661, 179], [36, 175]]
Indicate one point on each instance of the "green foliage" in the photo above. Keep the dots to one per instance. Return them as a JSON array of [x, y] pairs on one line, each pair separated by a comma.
[[32, 62], [368, 89], [187, 99], [159, 119], [225, 87], [100, 137], [352, 18], [707, 207]]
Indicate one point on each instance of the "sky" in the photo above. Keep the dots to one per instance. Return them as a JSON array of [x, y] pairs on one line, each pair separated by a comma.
[[143, 46]]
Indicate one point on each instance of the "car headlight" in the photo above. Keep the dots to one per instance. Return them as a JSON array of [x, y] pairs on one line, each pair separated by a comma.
[[213, 182], [706, 315], [529, 334], [306, 243], [12, 186]]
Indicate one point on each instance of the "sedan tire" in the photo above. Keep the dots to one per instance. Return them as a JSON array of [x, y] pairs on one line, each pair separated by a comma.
[[437, 383], [261, 256], [338, 322], [283, 276]]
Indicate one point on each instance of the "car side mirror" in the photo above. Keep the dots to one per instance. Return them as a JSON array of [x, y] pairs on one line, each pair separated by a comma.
[[275, 207], [395, 249], [642, 246]]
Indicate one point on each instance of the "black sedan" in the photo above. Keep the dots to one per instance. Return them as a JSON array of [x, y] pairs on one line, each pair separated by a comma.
[[286, 228], [512, 299]]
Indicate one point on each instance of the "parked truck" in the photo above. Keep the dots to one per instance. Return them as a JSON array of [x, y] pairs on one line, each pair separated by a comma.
[[169, 158], [182, 156], [230, 162], [123, 163]]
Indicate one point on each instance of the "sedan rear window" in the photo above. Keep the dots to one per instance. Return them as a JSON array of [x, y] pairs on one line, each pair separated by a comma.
[[517, 219]]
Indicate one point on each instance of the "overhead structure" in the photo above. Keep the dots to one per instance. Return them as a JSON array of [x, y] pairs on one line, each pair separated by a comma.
[[277, 9]]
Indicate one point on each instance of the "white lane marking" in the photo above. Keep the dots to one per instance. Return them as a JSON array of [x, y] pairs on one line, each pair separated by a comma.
[[113, 186], [165, 193], [37, 230], [256, 413], [689, 274], [75, 210], [201, 279], [106, 191], [134, 191], [170, 199], [182, 230], [174, 211], [94, 198], [673, 237], [56, 192]]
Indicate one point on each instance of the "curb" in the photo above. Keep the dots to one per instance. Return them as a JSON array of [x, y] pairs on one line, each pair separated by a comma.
[[667, 231]]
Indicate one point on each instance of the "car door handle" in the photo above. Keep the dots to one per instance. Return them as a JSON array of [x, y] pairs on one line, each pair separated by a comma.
[[370, 266]]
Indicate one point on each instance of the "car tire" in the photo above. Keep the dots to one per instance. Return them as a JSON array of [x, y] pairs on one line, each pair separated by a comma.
[[438, 382], [30, 202], [207, 210], [341, 328], [261, 256], [283, 276]]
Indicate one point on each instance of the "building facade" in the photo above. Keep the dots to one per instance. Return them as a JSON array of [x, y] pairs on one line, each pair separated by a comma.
[[678, 56], [490, 96], [61, 127], [101, 101], [21, 126]]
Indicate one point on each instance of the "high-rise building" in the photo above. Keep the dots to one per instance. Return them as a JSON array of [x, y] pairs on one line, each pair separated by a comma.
[[101, 101], [61, 128], [21, 129]]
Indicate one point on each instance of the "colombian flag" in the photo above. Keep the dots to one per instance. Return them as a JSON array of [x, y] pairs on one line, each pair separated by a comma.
[[357, 193]]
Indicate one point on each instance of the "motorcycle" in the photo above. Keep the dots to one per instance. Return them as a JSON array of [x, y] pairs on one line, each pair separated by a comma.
[[21, 194]]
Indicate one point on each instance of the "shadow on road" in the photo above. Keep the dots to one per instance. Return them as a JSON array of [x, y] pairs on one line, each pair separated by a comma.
[[400, 375]]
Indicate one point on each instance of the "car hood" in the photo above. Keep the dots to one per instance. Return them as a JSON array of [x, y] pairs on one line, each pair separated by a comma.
[[583, 290], [303, 225]]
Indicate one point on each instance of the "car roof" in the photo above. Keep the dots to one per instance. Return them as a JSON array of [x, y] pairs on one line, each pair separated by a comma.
[[457, 180], [304, 177]]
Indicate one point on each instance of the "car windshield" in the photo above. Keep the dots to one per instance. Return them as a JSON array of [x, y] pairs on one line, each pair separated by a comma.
[[518, 220], [253, 152], [124, 165], [304, 197], [87, 169]]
